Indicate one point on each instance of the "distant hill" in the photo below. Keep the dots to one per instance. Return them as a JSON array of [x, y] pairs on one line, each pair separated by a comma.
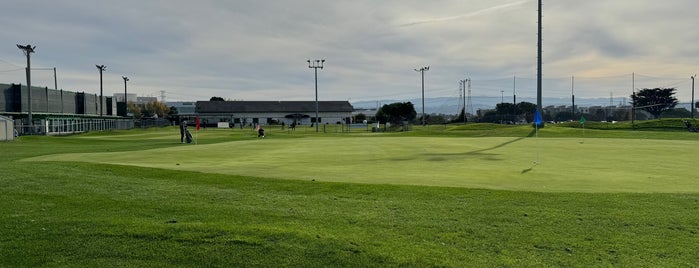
[[446, 105]]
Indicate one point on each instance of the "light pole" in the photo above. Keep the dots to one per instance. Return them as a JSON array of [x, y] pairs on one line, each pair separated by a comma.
[[539, 106], [692, 104], [422, 72], [29, 49], [101, 68], [502, 96], [316, 64], [126, 102]]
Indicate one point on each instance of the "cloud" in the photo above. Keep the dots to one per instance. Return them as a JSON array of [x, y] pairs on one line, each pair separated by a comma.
[[257, 50], [484, 11]]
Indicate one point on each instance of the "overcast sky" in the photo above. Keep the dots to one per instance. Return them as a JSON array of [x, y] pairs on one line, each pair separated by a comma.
[[257, 50]]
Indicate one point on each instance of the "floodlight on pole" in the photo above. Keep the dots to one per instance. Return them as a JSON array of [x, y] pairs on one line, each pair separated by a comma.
[[29, 49], [316, 64], [126, 99], [125, 80], [102, 68], [422, 72]]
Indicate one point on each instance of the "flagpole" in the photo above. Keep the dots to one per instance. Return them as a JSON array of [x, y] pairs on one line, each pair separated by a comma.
[[196, 132], [537, 120], [582, 122], [536, 140]]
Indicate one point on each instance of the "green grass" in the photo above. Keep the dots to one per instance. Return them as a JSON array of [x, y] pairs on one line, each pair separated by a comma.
[[77, 213]]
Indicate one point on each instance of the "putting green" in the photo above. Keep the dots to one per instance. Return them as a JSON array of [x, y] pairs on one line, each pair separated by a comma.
[[530, 164]]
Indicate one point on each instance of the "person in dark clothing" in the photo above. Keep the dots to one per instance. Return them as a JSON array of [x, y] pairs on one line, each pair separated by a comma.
[[183, 126], [260, 133]]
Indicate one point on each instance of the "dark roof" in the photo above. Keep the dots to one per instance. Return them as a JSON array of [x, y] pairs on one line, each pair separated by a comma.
[[272, 106]]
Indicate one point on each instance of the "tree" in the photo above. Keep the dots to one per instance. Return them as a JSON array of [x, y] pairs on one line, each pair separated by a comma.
[[134, 109], [396, 112], [149, 110], [527, 109], [510, 112], [677, 113], [214, 98], [172, 114], [360, 117], [655, 101]]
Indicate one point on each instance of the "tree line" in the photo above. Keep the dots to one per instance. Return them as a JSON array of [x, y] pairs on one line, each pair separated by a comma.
[[657, 102]]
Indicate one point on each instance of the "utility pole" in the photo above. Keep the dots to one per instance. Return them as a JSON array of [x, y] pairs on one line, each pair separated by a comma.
[[102, 68], [316, 64], [29, 49], [468, 103], [692, 104], [502, 96], [422, 72], [463, 88]]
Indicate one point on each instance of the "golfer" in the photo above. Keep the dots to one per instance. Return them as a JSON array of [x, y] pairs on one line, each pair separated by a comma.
[[183, 127]]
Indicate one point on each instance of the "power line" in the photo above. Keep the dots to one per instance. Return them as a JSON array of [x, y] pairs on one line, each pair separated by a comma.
[[11, 63], [12, 70]]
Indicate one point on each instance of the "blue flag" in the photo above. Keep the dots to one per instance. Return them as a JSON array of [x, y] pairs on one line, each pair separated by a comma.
[[537, 117]]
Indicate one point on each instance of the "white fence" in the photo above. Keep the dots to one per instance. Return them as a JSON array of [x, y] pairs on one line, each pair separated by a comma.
[[72, 125]]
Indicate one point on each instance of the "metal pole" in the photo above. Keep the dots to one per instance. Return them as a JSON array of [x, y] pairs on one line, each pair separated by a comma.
[[422, 72], [126, 103], [55, 80], [572, 95], [125, 80], [538, 64], [423, 97], [100, 93], [633, 99], [28, 49], [463, 82], [465, 100], [317, 64], [514, 90], [316, 78], [692, 104], [101, 68]]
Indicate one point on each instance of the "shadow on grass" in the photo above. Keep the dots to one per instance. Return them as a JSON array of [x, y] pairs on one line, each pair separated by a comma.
[[482, 152]]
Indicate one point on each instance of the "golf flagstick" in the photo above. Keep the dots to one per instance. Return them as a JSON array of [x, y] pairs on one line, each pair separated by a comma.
[[582, 122], [536, 140], [196, 132], [537, 122]]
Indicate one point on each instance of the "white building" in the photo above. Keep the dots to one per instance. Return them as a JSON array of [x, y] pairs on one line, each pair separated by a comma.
[[273, 112]]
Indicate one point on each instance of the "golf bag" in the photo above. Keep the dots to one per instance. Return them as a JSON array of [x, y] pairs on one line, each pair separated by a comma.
[[188, 136]]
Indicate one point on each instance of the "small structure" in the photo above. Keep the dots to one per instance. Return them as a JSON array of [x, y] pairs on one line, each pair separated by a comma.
[[7, 129], [290, 113]]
